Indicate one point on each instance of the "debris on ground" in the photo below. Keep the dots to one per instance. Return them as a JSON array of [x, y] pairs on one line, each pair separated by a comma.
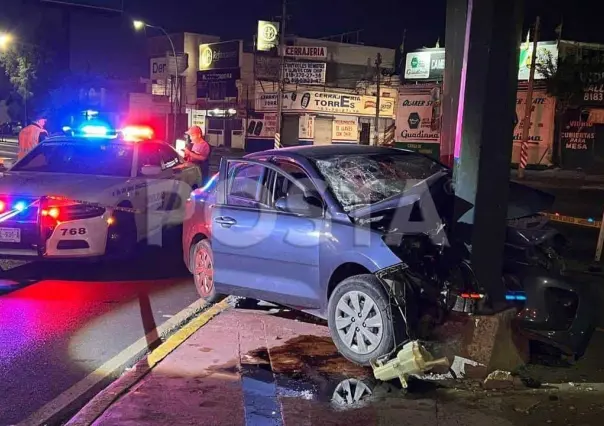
[[412, 359], [499, 379]]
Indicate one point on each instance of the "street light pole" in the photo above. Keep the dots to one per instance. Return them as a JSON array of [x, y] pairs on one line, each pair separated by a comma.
[[139, 25]]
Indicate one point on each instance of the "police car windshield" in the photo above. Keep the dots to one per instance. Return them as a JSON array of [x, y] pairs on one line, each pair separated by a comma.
[[92, 158]]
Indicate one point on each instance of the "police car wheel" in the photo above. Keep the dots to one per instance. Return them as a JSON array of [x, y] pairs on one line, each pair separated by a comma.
[[202, 266], [122, 236]]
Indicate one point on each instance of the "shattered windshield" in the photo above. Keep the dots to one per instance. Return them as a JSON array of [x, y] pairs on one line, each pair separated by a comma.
[[361, 180]]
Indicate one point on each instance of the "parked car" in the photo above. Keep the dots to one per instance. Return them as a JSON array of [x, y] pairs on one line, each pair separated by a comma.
[[361, 236]]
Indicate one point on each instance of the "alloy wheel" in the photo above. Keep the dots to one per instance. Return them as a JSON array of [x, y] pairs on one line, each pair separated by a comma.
[[359, 322], [204, 272]]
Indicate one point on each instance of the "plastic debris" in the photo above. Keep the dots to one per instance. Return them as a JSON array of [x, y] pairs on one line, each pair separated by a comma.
[[412, 359], [499, 379]]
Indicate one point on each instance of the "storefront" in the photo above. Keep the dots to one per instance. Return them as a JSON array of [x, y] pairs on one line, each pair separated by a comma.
[[217, 92], [320, 118]]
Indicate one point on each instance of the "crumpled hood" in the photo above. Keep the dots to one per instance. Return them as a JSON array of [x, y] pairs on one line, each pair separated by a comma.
[[75, 186]]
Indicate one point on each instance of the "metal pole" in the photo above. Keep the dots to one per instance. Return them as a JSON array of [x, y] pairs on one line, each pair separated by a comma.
[[600, 241], [281, 72], [378, 76], [528, 107]]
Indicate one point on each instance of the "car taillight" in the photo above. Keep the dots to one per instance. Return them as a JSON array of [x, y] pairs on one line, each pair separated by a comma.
[[2, 206]]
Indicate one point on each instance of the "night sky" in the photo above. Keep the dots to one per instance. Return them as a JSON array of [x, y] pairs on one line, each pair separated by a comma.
[[380, 23]]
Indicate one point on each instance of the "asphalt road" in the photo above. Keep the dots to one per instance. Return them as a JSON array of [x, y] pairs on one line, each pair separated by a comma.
[[8, 147], [59, 323]]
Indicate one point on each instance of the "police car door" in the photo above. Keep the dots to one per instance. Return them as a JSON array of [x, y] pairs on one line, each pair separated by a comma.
[[151, 198]]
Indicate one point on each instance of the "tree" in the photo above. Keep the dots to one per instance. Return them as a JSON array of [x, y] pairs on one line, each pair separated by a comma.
[[21, 64]]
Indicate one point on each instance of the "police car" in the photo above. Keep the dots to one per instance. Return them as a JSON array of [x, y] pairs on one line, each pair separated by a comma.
[[92, 194]]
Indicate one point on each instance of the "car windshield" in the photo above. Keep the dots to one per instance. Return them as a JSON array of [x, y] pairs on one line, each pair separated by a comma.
[[109, 159], [361, 180]]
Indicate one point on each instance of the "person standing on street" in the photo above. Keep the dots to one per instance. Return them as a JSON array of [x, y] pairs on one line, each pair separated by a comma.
[[31, 136], [198, 152]]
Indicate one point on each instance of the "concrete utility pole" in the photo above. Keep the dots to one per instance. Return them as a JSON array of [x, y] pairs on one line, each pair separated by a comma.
[[485, 36], [281, 72], [378, 77], [528, 106]]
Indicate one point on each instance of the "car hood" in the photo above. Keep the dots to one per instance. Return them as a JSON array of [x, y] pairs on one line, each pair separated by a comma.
[[523, 201], [77, 187]]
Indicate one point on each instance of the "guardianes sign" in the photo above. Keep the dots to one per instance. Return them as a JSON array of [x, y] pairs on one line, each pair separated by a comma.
[[414, 119], [336, 103]]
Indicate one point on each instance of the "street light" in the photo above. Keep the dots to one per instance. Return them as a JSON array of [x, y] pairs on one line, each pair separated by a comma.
[[140, 25], [5, 40]]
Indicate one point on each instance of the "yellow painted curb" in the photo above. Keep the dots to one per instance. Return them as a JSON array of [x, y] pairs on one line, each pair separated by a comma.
[[184, 333]]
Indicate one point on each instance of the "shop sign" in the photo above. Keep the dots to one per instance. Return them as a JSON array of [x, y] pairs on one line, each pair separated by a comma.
[[414, 119], [345, 129], [542, 118], [262, 128], [304, 72], [158, 69], [306, 52], [268, 35], [266, 67], [336, 103], [577, 139], [425, 65], [214, 56], [429, 64], [217, 85]]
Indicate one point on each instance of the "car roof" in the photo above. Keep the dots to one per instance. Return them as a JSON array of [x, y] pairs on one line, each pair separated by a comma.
[[313, 151]]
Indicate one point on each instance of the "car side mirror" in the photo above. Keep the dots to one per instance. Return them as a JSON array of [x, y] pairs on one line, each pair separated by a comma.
[[150, 170], [299, 204]]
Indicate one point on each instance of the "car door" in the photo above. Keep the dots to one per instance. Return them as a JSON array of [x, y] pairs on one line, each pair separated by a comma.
[[260, 252], [152, 197]]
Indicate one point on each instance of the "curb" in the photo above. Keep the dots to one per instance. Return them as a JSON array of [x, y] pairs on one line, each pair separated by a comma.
[[105, 398], [96, 383]]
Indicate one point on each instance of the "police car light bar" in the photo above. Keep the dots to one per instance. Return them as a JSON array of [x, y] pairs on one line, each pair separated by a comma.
[[137, 133], [94, 130]]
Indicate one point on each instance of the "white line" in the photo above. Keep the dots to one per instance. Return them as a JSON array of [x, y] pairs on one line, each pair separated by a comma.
[[106, 370]]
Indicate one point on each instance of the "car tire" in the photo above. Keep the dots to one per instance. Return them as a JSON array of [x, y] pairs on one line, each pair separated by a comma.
[[125, 228], [201, 265], [368, 341]]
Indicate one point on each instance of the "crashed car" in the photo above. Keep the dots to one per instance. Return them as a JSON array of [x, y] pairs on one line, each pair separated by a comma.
[[361, 236]]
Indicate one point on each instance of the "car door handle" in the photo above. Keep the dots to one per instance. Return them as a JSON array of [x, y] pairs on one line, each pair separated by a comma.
[[226, 222]]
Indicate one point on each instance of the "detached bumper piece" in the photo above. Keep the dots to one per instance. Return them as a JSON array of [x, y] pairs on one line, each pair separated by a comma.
[[413, 358], [558, 313]]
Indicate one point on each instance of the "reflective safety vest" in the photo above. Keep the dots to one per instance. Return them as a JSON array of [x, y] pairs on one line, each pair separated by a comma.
[[29, 137]]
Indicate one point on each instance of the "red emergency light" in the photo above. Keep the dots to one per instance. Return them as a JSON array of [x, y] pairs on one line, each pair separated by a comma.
[[137, 133]]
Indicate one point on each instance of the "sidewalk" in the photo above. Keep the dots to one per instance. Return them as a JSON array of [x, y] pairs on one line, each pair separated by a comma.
[[256, 368]]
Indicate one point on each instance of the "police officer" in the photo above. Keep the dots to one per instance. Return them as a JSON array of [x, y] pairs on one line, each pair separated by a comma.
[[198, 152], [31, 136]]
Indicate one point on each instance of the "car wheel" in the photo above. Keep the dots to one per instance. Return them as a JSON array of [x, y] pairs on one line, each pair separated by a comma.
[[122, 235], [360, 320], [202, 267]]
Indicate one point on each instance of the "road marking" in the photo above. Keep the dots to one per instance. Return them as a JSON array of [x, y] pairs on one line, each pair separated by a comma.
[[53, 409]]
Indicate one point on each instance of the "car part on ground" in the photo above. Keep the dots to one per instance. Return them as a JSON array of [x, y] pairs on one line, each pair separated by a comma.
[[412, 359]]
